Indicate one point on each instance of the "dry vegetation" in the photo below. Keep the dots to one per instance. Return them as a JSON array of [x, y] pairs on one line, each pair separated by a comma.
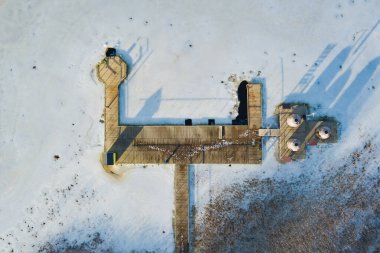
[[338, 213]]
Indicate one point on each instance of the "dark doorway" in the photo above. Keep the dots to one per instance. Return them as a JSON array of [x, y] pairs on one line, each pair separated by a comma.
[[188, 122]]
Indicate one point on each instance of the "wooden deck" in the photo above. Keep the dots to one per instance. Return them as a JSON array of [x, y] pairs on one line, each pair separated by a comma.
[[180, 145], [181, 218], [185, 144], [111, 71], [254, 103], [175, 143]]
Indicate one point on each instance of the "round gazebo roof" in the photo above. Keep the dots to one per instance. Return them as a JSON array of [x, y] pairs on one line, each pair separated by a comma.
[[324, 132], [294, 120], [293, 144]]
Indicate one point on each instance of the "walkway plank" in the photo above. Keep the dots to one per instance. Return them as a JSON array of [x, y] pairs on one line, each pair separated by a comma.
[[181, 219]]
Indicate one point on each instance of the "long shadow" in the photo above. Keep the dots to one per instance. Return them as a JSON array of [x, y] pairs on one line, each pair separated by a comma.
[[128, 135], [134, 64], [318, 89], [141, 49], [349, 103], [151, 105], [367, 36], [309, 76], [124, 140], [339, 96], [136, 48]]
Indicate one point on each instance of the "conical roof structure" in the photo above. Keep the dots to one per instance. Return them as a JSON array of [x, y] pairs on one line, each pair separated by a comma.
[[294, 120], [294, 144], [324, 132]]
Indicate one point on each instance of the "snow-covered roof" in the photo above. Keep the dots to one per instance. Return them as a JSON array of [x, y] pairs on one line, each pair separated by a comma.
[[294, 120]]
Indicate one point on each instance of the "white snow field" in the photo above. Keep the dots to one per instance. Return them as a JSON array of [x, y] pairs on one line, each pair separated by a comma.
[[186, 59]]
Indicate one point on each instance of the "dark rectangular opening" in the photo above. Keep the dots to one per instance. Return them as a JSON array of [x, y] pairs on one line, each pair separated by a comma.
[[239, 122], [110, 158], [188, 122], [110, 52], [211, 122]]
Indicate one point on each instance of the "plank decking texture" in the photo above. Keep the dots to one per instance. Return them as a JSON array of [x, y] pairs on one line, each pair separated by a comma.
[[181, 216], [111, 71], [254, 103], [185, 144]]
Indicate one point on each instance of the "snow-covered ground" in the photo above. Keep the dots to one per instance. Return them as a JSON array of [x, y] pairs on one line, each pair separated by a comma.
[[186, 59]]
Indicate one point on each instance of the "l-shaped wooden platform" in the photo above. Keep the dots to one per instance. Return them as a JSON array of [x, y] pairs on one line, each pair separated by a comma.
[[188, 144]]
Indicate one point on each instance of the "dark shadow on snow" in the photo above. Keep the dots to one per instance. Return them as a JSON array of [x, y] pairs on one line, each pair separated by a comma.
[[331, 90]]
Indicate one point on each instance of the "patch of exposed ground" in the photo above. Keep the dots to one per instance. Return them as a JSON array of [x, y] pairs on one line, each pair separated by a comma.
[[339, 212], [62, 245]]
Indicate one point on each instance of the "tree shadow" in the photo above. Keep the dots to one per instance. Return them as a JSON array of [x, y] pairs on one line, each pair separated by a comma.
[[318, 89], [309, 75], [332, 93], [350, 103], [336, 92]]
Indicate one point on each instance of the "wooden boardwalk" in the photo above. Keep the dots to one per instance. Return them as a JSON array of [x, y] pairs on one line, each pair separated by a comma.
[[181, 218], [254, 103], [111, 71], [175, 143], [185, 144]]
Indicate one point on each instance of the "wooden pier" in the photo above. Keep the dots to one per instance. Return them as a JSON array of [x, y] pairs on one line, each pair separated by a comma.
[[182, 145], [111, 71], [181, 216], [229, 144], [177, 144]]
